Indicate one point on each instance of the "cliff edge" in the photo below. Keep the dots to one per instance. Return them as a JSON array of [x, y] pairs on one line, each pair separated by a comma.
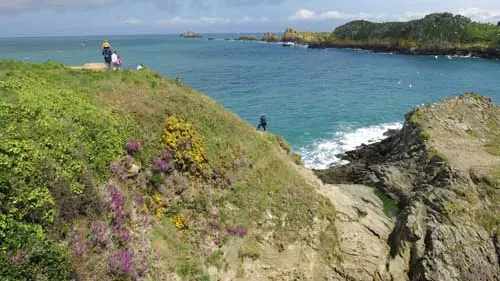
[[443, 170]]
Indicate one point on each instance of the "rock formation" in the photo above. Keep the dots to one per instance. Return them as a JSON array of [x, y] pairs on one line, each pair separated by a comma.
[[271, 37], [443, 168], [248, 38]]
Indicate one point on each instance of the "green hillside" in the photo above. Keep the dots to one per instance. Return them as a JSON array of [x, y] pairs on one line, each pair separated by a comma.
[[441, 33], [130, 176]]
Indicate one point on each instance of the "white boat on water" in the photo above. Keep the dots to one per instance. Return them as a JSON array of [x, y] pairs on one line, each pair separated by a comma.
[[288, 44]]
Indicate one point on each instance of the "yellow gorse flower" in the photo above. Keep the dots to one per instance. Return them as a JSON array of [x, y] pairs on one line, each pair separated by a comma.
[[180, 222], [185, 143]]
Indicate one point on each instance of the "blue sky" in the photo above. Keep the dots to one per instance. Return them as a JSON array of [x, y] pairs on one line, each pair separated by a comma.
[[96, 17]]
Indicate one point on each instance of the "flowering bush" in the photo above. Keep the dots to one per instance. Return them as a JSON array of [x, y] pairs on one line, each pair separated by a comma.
[[237, 231], [180, 222], [133, 146], [159, 211], [121, 264], [79, 244], [99, 233], [185, 143], [163, 164]]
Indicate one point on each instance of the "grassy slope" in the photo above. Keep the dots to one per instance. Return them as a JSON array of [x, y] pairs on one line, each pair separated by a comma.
[[110, 108], [434, 32]]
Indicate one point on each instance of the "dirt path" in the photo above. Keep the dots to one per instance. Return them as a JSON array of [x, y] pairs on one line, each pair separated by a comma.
[[94, 66]]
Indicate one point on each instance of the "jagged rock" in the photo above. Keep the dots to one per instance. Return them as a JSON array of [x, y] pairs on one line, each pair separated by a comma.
[[249, 38], [271, 37], [292, 35], [440, 233], [134, 170]]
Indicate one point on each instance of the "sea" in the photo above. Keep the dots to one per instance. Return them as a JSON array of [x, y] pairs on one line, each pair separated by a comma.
[[324, 102]]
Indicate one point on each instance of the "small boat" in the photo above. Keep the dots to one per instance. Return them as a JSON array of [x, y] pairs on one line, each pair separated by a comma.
[[288, 44]]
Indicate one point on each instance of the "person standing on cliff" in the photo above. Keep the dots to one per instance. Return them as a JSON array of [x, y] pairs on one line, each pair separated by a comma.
[[107, 53], [263, 123]]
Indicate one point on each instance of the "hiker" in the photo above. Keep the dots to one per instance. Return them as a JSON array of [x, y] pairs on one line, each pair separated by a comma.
[[116, 61], [263, 123], [107, 53]]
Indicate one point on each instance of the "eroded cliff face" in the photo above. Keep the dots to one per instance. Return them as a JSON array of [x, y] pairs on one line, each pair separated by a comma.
[[443, 168]]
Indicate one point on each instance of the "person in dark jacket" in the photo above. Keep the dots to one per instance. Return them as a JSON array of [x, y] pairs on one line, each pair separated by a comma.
[[107, 53], [263, 123]]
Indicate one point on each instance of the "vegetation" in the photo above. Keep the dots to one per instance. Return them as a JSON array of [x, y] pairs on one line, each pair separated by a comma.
[[390, 206], [434, 34], [121, 176]]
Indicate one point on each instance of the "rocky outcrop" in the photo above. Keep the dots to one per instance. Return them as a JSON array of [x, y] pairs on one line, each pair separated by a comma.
[[443, 168], [292, 35], [248, 38], [271, 37], [190, 34], [435, 34]]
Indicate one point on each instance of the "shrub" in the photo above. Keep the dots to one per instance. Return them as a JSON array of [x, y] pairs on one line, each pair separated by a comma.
[[186, 145], [179, 222], [133, 146], [121, 264], [26, 253], [237, 231], [163, 164]]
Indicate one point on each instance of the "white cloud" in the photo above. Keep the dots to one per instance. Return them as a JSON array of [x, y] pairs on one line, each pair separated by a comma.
[[305, 14], [481, 15], [302, 14], [250, 20], [407, 16], [211, 21], [475, 14], [194, 21], [132, 21]]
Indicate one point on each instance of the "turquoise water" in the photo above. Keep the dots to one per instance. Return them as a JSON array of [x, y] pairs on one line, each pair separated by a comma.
[[323, 101]]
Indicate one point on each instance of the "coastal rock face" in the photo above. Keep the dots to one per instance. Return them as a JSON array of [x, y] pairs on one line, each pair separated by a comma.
[[271, 37], [435, 34], [249, 38], [430, 29], [292, 35], [443, 168]]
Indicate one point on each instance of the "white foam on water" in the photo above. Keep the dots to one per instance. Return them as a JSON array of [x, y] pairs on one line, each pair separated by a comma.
[[323, 153]]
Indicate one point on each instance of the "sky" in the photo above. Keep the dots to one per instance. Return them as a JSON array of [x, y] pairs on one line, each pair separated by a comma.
[[19, 18]]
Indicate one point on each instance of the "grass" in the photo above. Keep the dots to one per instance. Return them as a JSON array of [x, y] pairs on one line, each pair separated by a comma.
[[113, 107], [390, 207]]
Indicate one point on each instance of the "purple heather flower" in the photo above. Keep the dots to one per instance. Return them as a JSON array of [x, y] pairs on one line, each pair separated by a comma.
[[139, 200], [161, 165], [115, 167], [99, 230], [15, 258], [133, 146], [121, 263], [237, 231]]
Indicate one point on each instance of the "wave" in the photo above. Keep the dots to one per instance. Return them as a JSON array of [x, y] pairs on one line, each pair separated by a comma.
[[323, 153]]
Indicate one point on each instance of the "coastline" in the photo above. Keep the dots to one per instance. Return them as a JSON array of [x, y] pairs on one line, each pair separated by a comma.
[[475, 51]]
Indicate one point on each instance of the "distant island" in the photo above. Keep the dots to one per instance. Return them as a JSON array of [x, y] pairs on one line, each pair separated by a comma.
[[435, 34], [190, 34]]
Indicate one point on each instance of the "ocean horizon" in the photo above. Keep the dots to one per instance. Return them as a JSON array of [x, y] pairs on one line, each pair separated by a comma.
[[324, 102]]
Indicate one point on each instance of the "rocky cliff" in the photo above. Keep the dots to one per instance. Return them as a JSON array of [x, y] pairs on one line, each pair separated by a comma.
[[435, 34], [443, 169], [271, 37]]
